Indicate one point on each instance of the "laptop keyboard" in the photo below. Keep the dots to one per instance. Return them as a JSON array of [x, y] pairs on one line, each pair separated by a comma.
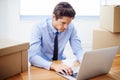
[[74, 75]]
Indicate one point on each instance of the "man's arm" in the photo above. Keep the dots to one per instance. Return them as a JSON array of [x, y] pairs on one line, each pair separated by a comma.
[[40, 62], [76, 45], [35, 50]]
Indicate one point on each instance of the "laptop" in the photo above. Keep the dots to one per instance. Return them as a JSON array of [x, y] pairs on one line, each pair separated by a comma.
[[94, 63]]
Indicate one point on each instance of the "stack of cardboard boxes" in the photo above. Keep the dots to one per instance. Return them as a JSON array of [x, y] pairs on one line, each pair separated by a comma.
[[109, 32]]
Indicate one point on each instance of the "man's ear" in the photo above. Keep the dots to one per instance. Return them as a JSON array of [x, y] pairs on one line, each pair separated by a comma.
[[54, 17]]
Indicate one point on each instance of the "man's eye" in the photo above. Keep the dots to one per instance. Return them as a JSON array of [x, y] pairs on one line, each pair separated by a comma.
[[64, 23]]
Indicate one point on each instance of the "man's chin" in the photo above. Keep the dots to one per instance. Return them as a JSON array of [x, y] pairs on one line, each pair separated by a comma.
[[62, 30]]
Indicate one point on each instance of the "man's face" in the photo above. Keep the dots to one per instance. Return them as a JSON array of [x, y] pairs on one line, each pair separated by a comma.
[[62, 23]]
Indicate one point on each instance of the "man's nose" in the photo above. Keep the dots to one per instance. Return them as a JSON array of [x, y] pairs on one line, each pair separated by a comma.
[[65, 26]]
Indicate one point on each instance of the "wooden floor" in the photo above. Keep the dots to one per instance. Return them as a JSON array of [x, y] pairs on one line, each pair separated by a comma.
[[115, 73]]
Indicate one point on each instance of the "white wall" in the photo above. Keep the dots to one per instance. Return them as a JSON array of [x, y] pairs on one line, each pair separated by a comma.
[[11, 27], [3, 18]]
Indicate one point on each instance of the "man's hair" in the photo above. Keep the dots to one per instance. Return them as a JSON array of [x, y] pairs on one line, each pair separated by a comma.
[[64, 9]]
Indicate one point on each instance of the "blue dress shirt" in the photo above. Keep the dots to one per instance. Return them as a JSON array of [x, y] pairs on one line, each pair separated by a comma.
[[42, 43]]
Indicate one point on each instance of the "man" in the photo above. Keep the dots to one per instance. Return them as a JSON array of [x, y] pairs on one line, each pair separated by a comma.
[[41, 51]]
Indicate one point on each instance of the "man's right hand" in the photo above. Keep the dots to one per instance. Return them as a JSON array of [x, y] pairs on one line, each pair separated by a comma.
[[64, 69]]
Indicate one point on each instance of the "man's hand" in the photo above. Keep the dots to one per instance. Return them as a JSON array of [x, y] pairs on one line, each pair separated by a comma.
[[64, 69]]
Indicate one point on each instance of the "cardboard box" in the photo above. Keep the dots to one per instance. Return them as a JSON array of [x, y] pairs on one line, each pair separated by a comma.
[[103, 38], [110, 17], [24, 57], [13, 58]]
